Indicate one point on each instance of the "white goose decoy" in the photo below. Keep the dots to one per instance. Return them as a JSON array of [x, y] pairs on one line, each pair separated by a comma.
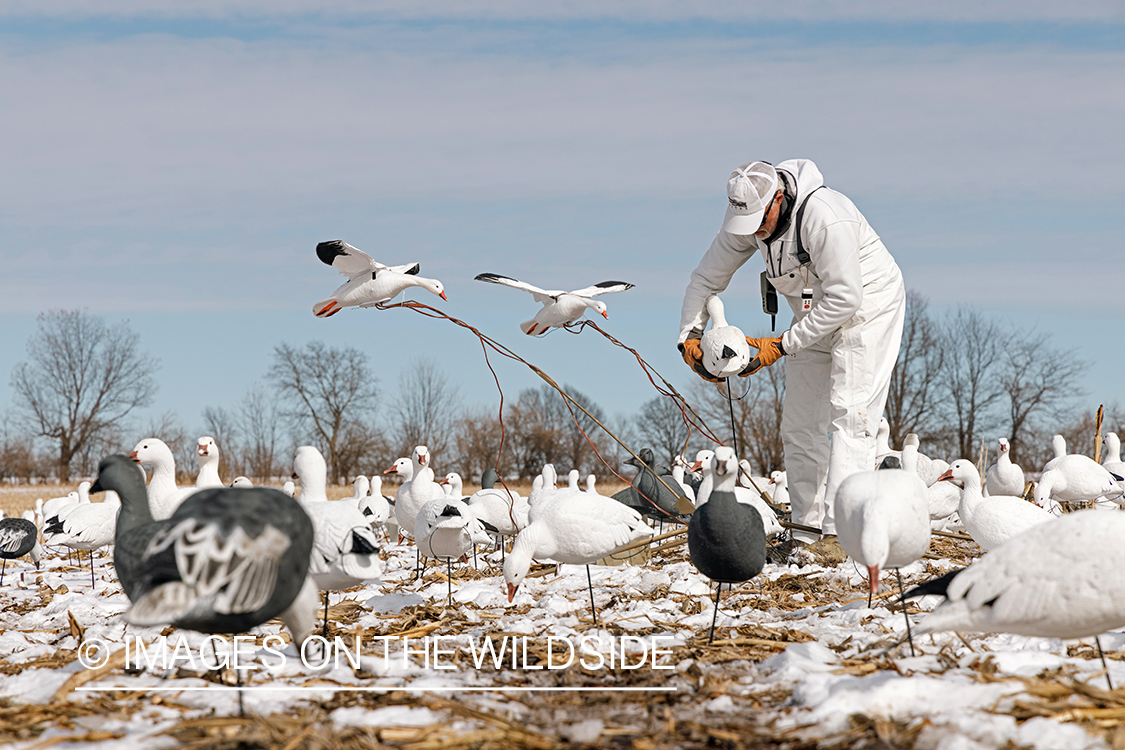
[[1076, 479], [85, 526], [1003, 477], [421, 489], [572, 527], [678, 472], [995, 519], [1058, 580], [572, 480], [779, 488], [18, 537], [361, 487], [207, 454], [1112, 458], [882, 517], [345, 550], [724, 347], [504, 510], [163, 494], [703, 460], [453, 486], [376, 506], [289, 488], [404, 468], [369, 282], [51, 508], [243, 483], [1058, 445], [883, 443], [559, 307]]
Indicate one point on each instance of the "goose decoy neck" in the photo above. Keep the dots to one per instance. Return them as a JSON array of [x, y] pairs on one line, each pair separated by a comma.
[[120, 474]]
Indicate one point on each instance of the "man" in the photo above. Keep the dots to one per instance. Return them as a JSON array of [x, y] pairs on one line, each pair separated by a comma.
[[845, 335]]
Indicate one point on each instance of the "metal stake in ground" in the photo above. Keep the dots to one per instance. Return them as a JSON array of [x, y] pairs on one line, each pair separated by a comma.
[[903, 600], [715, 616], [733, 431], [593, 609]]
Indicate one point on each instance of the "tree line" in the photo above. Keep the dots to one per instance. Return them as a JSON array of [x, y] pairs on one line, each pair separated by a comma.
[[961, 378]]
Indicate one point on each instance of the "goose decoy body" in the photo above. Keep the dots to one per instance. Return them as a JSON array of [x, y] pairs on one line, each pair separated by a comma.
[[559, 307], [227, 560], [18, 537], [369, 281]]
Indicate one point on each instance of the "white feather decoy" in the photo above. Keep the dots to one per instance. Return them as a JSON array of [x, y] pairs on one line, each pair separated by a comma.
[[421, 489], [376, 506], [559, 307], [993, 520], [345, 549], [1058, 580], [369, 281], [1003, 477], [724, 347], [1076, 478], [575, 528], [163, 494], [882, 516], [207, 454]]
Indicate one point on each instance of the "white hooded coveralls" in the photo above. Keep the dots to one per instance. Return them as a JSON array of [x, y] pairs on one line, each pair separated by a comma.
[[839, 355]]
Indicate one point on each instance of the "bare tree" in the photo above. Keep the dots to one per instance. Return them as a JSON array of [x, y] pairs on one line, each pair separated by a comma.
[[542, 430], [426, 409], [259, 423], [82, 377], [660, 424], [326, 389], [971, 380], [220, 424], [1039, 382], [477, 438], [914, 398]]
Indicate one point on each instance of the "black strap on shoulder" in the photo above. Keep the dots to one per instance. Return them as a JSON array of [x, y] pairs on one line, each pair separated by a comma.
[[802, 253]]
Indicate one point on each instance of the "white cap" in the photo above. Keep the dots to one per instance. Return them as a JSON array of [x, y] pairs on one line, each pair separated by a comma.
[[749, 191]]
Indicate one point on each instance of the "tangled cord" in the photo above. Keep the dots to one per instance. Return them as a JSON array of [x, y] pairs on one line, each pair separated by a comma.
[[487, 343]]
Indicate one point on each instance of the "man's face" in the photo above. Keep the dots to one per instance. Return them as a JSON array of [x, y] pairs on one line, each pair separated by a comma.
[[769, 219]]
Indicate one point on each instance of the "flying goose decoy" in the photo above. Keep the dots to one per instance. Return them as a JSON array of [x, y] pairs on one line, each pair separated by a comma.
[[559, 307], [369, 281]]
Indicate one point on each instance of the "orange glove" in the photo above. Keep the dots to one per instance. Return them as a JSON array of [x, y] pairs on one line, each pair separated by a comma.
[[693, 356], [769, 351]]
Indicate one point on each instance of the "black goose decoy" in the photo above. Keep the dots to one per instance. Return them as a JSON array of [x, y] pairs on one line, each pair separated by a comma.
[[227, 560], [648, 496], [18, 537], [726, 538]]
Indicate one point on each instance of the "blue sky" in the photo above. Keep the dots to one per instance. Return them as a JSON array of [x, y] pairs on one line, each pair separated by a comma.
[[174, 165]]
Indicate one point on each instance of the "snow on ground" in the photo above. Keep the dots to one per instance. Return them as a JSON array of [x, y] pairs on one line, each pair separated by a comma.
[[799, 660]]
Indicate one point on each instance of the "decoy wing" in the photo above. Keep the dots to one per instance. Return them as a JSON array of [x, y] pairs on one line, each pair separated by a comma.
[[353, 262], [235, 571], [541, 295], [605, 287]]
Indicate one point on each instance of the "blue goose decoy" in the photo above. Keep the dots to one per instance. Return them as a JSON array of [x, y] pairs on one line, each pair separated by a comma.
[[726, 538], [18, 537], [227, 560]]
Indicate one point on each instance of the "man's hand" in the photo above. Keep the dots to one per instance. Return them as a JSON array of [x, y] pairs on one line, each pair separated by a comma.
[[769, 351], [693, 356]]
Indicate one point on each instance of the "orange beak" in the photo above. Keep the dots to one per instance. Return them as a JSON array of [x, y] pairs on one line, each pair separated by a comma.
[[696, 466], [442, 295], [133, 456], [422, 460], [947, 476], [392, 470], [605, 314], [873, 578], [444, 481], [511, 591]]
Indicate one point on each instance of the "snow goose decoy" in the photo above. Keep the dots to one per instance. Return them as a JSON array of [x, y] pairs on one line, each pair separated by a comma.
[[361, 487], [243, 483], [571, 527], [995, 519], [724, 347], [559, 307], [86, 526], [1112, 458], [345, 550], [1004, 477], [18, 537], [376, 506], [369, 281], [207, 454], [227, 560], [503, 510], [726, 538], [448, 529], [1077, 479], [51, 508], [883, 519], [419, 490], [779, 483], [1058, 580], [163, 494], [745, 496]]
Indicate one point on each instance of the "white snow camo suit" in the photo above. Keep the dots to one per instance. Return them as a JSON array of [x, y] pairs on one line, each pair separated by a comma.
[[839, 354]]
